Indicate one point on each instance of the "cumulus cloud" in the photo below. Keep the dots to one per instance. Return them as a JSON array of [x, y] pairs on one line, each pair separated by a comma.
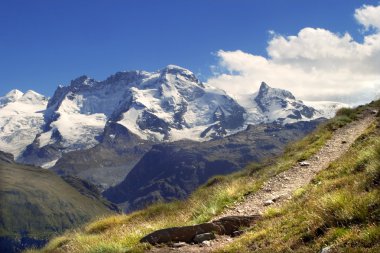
[[368, 16], [315, 64]]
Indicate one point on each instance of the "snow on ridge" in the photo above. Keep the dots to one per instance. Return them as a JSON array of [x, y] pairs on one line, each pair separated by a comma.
[[166, 105], [21, 119], [14, 93], [326, 109], [11, 96], [49, 164], [177, 68]]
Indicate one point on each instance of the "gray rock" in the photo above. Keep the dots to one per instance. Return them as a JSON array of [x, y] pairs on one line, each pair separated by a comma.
[[304, 163], [204, 237], [327, 249], [205, 244], [201, 232], [268, 202], [7, 158], [178, 244]]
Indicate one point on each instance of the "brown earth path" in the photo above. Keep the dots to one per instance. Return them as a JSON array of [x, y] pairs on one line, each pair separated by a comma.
[[280, 188]]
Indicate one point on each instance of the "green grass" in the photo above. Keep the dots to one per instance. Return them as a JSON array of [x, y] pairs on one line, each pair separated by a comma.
[[341, 208], [37, 203], [121, 233]]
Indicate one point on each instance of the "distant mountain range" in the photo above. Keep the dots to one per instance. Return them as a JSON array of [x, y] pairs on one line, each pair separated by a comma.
[[131, 140], [163, 106], [21, 119], [122, 131]]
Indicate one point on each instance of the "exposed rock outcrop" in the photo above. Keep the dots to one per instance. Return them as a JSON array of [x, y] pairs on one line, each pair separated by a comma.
[[224, 226]]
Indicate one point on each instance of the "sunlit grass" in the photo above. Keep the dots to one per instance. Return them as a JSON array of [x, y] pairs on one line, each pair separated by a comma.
[[340, 209], [121, 233]]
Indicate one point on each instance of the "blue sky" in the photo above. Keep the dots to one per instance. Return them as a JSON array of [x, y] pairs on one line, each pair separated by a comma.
[[44, 43]]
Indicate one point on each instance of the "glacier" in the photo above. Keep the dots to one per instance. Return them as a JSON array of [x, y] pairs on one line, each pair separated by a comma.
[[21, 119], [167, 105]]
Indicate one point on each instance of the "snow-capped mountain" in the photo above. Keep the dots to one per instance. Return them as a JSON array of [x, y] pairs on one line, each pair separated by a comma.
[[167, 105], [163, 106], [326, 108], [281, 105], [21, 119]]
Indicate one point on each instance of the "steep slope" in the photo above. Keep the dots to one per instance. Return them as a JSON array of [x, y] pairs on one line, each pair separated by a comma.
[[174, 170], [314, 219], [21, 119], [36, 204], [108, 163], [281, 105], [163, 106], [121, 146], [337, 212], [89, 190], [166, 105]]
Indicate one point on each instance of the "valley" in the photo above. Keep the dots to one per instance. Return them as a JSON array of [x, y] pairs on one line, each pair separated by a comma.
[[189, 126], [138, 139], [314, 175]]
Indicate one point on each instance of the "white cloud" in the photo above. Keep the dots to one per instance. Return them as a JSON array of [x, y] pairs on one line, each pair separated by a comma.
[[315, 64], [368, 16]]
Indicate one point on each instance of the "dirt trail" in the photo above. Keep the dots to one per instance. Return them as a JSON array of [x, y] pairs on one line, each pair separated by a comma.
[[280, 188]]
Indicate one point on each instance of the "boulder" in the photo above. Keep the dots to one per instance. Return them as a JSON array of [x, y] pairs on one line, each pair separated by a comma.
[[231, 224], [180, 234], [224, 226], [268, 202], [304, 164], [204, 237]]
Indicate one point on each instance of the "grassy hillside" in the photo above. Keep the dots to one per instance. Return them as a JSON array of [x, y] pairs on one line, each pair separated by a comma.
[[121, 233], [340, 209], [36, 204]]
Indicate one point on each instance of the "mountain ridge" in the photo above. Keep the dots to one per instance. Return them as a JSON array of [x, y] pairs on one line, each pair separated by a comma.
[[165, 105], [171, 171], [37, 204]]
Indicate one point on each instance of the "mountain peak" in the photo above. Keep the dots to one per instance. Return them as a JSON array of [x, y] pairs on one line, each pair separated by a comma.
[[267, 91], [172, 66], [174, 69], [264, 86], [279, 104], [32, 93], [33, 97], [81, 81], [10, 97], [15, 93]]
